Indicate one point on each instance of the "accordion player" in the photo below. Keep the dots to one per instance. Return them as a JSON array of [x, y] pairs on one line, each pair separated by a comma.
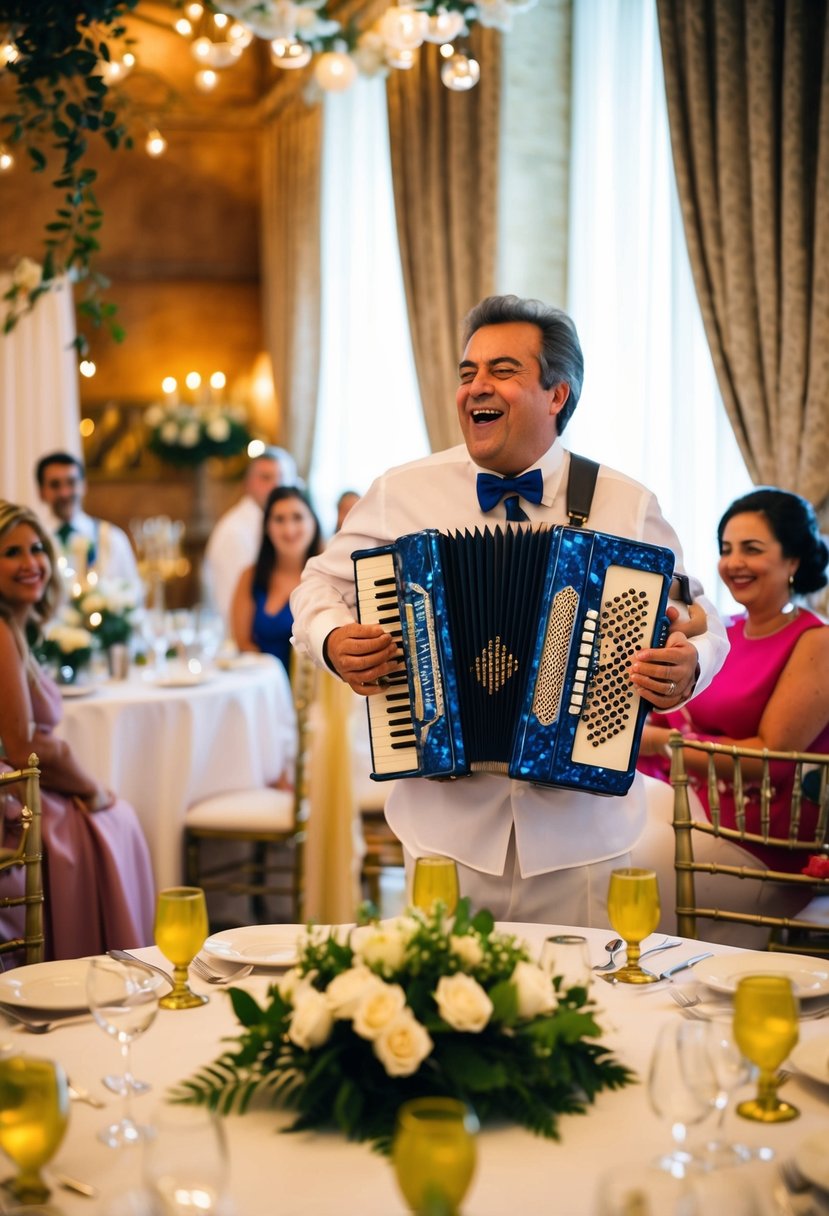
[[517, 644]]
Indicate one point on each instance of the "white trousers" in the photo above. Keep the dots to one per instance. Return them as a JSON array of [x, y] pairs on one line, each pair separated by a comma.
[[577, 896]]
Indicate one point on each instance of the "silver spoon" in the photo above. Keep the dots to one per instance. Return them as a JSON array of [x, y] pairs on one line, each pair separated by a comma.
[[613, 947]]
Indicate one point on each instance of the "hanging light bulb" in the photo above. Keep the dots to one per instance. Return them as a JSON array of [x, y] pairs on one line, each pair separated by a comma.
[[6, 159], [445, 27], [288, 53], [183, 27], [335, 71], [156, 144], [404, 28], [401, 59], [206, 80], [460, 73], [113, 71]]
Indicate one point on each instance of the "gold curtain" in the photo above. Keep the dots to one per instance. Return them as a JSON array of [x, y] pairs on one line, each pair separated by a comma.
[[747, 84], [444, 154], [291, 268]]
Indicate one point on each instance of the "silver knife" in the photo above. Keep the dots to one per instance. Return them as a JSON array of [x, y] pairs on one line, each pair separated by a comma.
[[689, 962]]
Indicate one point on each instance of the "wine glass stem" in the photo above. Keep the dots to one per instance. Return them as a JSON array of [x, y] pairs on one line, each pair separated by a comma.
[[127, 1073], [634, 949], [767, 1089], [179, 979]]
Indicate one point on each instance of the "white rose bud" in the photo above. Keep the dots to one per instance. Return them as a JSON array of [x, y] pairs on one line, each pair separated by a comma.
[[312, 1020], [403, 1045], [169, 432], [190, 434], [380, 1006], [377, 946], [346, 990], [218, 429], [292, 984], [534, 988], [468, 949], [27, 275], [462, 1002]]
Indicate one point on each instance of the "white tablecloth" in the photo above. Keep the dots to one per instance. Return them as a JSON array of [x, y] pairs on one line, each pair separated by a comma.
[[165, 748], [313, 1174]]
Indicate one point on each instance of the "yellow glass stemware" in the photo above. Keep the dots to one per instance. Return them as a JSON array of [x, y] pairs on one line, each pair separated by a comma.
[[765, 1030], [434, 1154], [34, 1113], [180, 929], [435, 879], [633, 910]]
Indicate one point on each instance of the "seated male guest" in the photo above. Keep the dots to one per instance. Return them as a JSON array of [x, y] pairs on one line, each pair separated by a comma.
[[86, 543], [233, 544]]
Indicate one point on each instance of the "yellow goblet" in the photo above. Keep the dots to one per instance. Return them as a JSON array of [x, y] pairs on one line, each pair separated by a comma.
[[434, 1154], [180, 930], [435, 879], [765, 1030], [633, 910], [34, 1112]]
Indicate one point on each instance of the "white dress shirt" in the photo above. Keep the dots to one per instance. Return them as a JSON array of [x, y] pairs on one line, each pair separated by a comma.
[[114, 558], [233, 545], [471, 819]]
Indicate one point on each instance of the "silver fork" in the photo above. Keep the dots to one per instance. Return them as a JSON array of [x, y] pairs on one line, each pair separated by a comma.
[[214, 977], [685, 1000]]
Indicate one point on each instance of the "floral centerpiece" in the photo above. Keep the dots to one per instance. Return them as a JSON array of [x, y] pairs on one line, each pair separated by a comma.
[[66, 647], [106, 610], [416, 1006], [190, 434]]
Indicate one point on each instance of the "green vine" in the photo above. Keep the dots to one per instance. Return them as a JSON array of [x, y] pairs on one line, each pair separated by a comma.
[[62, 102]]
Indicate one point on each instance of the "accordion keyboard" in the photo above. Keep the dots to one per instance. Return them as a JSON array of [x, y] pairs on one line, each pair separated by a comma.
[[390, 713]]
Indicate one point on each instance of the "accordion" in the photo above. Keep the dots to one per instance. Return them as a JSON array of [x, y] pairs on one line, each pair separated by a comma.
[[517, 644]]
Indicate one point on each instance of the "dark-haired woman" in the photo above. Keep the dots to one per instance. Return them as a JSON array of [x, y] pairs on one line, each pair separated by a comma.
[[773, 689], [98, 876], [260, 615]]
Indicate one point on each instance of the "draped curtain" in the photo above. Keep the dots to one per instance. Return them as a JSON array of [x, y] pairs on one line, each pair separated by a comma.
[[747, 85], [291, 269], [39, 395], [444, 152]]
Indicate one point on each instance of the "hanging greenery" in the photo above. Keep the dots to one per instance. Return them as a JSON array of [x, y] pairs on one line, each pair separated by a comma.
[[62, 102]]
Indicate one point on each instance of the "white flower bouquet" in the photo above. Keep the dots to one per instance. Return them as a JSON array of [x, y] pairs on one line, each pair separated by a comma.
[[416, 1006], [190, 434], [65, 645], [106, 610]]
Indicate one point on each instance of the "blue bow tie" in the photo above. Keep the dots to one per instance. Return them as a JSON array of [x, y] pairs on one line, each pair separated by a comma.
[[491, 489]]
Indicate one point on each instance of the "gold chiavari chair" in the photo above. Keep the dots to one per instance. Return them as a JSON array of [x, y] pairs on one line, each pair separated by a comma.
[[29, 855], [802, 933], [271, 820]]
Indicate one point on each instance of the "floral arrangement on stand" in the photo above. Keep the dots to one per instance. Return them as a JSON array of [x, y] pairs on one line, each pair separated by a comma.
[[107, 611], [65, 647], [417, 1006], [184, 434]]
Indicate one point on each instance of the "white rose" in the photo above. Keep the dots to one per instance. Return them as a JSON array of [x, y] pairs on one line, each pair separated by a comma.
[[218, 429], [380, 1006], [169, 432], [468, 949], [27, 275], [292, 984], [93, 603], [462, 1002], [72, 617], [190, 435], [347, 989], [311, 1021], [534, 989], [373, 944], [403, 1045]]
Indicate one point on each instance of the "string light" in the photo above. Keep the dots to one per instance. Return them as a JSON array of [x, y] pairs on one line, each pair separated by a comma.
[[6, 159], [206, 80], [156, 144], [87, 368]]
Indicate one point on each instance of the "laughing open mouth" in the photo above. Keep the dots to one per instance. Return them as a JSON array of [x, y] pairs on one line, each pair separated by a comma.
[[485, 415]]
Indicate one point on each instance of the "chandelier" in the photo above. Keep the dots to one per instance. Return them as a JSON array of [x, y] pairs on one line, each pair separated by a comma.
[[301, 32]]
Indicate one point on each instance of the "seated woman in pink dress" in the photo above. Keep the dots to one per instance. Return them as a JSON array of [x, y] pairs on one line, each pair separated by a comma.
[[772, 690], [97, 873]]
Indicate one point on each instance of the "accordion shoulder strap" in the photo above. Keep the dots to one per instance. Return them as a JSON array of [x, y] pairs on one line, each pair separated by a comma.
[[581, 483]]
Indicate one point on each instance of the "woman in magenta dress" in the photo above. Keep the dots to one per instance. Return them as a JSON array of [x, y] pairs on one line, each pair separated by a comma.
[[97, 872], [772, 690]]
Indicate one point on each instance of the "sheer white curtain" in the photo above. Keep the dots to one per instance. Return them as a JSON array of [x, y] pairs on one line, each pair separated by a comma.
[[650, 405], [369, 415]]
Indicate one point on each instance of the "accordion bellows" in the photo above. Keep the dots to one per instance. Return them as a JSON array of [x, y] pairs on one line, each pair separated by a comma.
[[517, 644]]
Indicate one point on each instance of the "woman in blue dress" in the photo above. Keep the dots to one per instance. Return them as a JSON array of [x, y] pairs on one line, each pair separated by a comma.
[[260, 616]]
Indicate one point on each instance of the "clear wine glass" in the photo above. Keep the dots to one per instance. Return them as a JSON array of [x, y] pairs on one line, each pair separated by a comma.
[[731, 1070], [34, 1113], [766, 1029], [185, 1160], [633, 910], [123, 999], [435, 880], [434, 1153], [566, 955], [682, 1089]]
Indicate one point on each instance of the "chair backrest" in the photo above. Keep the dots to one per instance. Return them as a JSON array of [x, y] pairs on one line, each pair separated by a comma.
[[29, 855], [752, 796]]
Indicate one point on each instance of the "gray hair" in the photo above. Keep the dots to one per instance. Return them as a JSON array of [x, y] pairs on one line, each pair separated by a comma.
[[561, 359], [288, 475]]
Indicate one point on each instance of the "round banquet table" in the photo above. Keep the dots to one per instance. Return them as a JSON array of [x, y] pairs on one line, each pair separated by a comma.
[[162, 748], [322, 1174]]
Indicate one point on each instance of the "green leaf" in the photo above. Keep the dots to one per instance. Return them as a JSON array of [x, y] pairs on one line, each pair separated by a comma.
[[38, 158], [245, 1007]]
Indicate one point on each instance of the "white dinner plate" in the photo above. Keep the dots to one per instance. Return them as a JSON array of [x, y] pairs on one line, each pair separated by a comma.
[[56, 986], [812, 1159], [811, 1057], [69, 691], [238, 662], [810, 977], [182, 679], [262, 945]]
